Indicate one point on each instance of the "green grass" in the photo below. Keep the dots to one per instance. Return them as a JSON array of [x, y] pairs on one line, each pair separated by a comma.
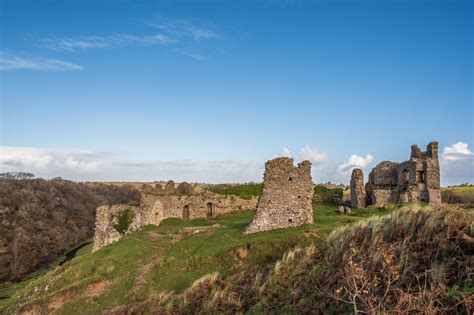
[[177, 253], [245, 191]]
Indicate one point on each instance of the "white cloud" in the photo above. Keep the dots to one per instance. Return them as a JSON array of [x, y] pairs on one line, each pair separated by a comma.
[[9, 61], [457, 164], [457, 151], [108, 166], [45, 160], [354, 161], [313, 155], [89, 42], [284, 153]]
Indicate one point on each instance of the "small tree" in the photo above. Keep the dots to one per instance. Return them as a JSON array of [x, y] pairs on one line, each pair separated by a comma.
[[17, 175]]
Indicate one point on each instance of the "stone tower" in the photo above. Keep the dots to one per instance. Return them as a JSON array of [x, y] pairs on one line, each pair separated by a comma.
[[287, 196], [358, 195]]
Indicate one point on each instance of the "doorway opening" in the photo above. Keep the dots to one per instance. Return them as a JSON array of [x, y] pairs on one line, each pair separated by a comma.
[[209, 210], [186, 212]]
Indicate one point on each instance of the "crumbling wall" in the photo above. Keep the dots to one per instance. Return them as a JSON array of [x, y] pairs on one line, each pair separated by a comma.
[[358, 195], [286, 198], [106, 218], [156, 207], [415, 180]]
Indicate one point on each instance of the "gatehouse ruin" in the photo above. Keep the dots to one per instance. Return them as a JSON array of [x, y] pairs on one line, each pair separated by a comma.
[[286, 198], [417, 179]]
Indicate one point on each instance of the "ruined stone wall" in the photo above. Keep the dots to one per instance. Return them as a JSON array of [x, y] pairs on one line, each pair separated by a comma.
[[286, 198], [204, 205], [358, 194], [106, 218], [415, 180], [156, 207]]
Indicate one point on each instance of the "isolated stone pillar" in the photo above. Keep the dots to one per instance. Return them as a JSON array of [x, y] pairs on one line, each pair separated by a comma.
[[358, 194]]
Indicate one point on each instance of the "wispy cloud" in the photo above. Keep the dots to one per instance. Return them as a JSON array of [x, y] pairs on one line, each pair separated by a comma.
[[10, 61], [90, 42], [183, 28], [181, 36], [196, 56]]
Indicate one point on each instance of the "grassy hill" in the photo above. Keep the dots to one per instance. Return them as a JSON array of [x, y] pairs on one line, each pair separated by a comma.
[[237, 272]]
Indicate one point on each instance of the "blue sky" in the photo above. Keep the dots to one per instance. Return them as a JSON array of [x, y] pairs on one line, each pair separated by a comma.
[[208, 91]]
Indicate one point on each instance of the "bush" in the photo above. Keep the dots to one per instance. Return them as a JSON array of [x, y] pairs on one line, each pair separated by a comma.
[[324, 195], [124, 218]]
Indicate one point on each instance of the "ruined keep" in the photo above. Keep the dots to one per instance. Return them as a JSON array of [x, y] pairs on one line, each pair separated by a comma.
[[286, 198], [158, 204], [358, 195], [415, 180]]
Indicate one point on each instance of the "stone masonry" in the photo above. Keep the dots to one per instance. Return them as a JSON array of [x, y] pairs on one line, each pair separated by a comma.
[[158, 204], [286, 198], [415, 180], [358, 195]]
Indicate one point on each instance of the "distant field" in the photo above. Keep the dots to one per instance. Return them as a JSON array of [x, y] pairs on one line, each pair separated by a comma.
[[458, 194]]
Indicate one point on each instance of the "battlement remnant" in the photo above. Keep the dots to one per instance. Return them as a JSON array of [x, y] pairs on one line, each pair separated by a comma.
[[286, 198]]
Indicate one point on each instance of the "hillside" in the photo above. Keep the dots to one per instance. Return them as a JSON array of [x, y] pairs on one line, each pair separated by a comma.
[[44, 219], [131, 273]]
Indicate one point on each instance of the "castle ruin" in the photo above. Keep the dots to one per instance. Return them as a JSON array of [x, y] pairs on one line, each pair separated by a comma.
[[286, 198], [158, 204], [390, 182]]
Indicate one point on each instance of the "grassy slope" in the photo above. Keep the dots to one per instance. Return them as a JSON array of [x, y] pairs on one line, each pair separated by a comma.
[[170, 257], [184, 251]]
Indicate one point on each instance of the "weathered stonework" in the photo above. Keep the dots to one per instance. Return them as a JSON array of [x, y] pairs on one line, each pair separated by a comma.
[[105, 219], [358, 195], [415, 180], [158, 204], [286, 198]]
